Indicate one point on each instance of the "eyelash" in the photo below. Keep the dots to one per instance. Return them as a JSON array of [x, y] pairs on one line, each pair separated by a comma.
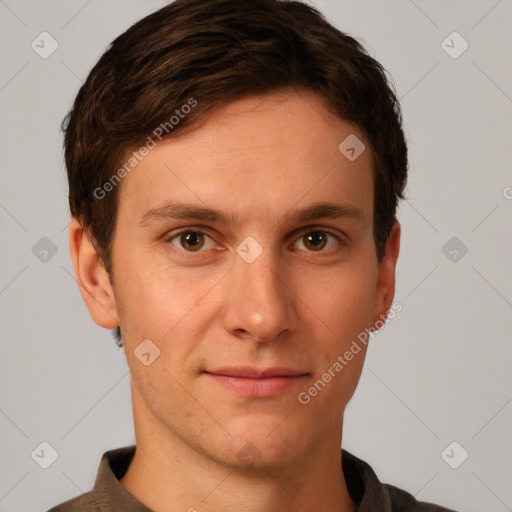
[[307, 231]]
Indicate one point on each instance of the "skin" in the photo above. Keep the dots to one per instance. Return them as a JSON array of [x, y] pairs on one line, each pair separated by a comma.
[[300, 305]]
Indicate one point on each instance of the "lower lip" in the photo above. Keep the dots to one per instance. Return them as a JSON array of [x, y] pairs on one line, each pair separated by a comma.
[[262, 387]]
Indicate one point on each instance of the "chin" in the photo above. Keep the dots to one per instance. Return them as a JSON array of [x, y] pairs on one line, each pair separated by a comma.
[[260, 445]]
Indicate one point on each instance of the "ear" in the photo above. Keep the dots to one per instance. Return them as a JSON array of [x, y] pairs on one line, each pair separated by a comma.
[[385, 285], [92, 278]]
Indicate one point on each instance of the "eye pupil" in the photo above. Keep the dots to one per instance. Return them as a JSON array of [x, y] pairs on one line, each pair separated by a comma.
[[315, 241], [192, 241]]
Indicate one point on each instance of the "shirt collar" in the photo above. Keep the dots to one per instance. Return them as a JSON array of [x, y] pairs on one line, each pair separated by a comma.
[[111, 495]]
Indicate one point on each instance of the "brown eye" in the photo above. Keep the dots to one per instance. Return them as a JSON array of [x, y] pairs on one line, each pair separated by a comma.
[[318, 240], [189, 240], [192, 240], [315, 241]]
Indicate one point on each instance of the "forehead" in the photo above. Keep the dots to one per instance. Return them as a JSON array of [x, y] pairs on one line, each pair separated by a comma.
[[258, 155]]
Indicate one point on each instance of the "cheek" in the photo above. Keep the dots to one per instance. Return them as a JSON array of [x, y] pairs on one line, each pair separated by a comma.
[[343, 304], [342, 301], [156, 297]]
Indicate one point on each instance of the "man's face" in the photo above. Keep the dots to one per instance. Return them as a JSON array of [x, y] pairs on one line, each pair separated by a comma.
[[281, 280]]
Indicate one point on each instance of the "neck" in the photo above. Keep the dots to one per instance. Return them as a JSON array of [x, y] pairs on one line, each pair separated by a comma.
[[172, 476]]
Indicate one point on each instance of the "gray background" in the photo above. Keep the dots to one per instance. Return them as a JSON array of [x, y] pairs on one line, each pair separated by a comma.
[[438, 373]]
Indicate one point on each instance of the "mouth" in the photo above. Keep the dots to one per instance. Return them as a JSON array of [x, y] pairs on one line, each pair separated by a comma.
[[253, 382]]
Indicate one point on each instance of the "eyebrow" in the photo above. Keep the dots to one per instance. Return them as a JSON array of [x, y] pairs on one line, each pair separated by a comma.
[[175, 210]]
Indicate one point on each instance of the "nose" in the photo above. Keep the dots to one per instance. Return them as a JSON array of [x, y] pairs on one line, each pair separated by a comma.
[[259, 304]]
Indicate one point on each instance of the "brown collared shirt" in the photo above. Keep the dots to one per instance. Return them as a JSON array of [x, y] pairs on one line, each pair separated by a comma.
[[108, 495]]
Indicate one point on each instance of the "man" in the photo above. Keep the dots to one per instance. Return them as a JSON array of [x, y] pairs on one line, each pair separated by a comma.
[[234, 171]]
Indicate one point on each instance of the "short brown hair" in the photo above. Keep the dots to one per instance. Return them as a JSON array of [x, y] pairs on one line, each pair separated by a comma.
[[215, 52]]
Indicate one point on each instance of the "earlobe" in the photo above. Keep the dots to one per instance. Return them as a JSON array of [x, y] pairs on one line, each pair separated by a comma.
[[385, 286], [92, 278]]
